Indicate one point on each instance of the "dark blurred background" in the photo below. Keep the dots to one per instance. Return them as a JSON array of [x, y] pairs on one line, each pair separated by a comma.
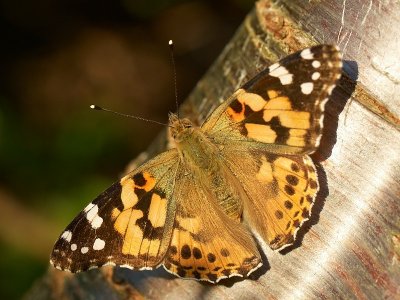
[[57, 58]]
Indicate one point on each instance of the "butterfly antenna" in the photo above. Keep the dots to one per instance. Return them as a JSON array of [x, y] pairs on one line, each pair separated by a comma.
[[95, 107], [171, 48]]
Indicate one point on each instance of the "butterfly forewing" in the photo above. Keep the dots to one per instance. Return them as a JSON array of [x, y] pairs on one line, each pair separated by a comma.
[[130, 224], [282, 107]]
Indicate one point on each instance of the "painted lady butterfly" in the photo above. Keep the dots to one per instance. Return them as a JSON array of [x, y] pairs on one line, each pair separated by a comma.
[[246, 171]]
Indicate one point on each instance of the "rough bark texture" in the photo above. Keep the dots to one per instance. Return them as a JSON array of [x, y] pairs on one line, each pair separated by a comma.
[[351, 247]]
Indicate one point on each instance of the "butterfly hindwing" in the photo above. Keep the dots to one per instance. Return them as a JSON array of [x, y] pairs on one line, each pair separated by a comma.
[[281, 190], [206, 244], [282, 107], [130, 224]]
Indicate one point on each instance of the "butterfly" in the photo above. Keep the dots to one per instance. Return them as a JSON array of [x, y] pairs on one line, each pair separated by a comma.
[[196, 208]]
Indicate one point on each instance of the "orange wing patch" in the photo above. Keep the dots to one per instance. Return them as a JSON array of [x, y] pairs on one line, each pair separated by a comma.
[[237, 110], [130, 222], [261, 133], [269, 120]]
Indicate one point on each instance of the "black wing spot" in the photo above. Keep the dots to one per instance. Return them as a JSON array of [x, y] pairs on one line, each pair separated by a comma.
[[185, 252]]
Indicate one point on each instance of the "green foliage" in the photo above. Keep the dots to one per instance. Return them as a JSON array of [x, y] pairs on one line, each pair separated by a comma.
[[22, 270]]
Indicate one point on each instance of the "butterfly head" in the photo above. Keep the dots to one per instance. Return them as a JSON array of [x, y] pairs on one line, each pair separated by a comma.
[[180, 128]]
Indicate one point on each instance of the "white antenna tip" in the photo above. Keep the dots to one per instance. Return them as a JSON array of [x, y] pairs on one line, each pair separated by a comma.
[[170, 42], [95, 107]]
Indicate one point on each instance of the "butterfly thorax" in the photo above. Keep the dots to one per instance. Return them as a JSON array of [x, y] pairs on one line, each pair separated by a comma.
[[202, 159], [193, 146]]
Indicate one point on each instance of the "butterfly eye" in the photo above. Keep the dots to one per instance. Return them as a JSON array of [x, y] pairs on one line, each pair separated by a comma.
[[186, 123]]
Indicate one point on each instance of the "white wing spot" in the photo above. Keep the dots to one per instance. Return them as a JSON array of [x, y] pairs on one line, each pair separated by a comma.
[[92, 215], [316, 64], [307, 88], [92, 212], [282, 73], [74, 247], [273, 67], [307, 54], [277, 70], [96, 222], [286, 79], [84, 250], [99, 244], [67, 235], [88, 207], [315, 75]]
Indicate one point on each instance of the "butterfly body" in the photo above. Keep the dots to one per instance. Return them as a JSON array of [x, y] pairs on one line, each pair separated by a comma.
[[196, 208], [200, 157]]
